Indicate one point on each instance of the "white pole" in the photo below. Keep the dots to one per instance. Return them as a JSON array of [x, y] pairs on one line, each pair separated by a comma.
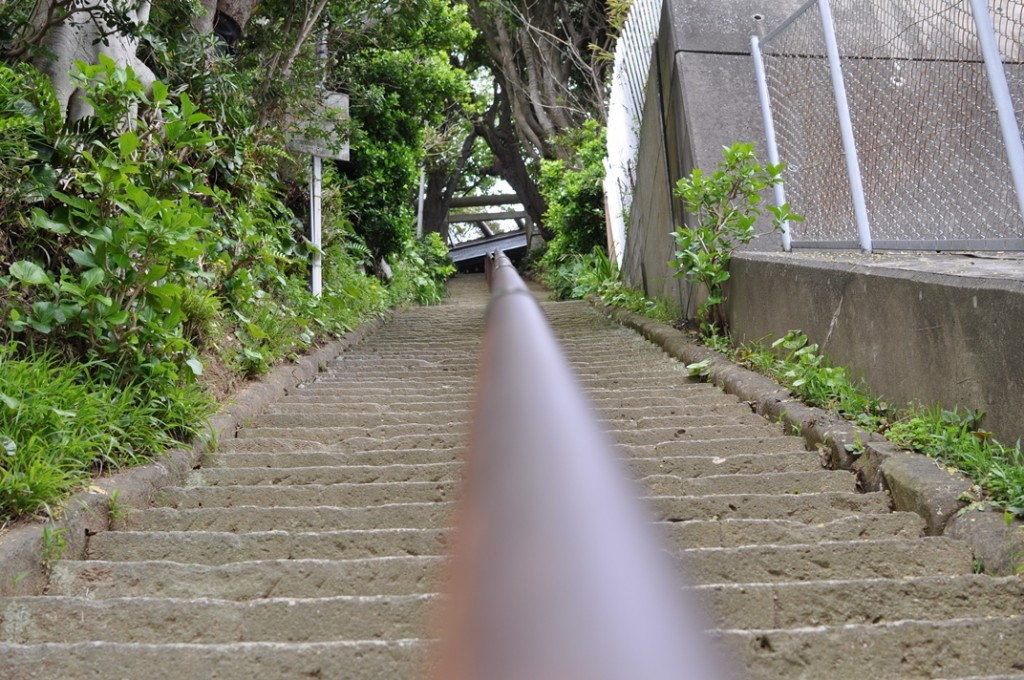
[[316, 225], [860, 208], [769, 132], [316, 185], [1001, 93], [419, 209]]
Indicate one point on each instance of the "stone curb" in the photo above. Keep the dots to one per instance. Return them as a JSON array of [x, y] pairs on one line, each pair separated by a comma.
[[916, 482], [87, 512]]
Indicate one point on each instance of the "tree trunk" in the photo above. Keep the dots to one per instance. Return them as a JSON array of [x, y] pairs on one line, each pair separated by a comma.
[[499, 131], [442, 182], [83, 35]]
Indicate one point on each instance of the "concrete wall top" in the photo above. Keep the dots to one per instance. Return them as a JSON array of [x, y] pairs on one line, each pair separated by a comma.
[[932, 329], [723, 26]]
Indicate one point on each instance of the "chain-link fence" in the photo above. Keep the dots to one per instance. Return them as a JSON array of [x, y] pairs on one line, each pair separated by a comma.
[[625, 112], [935, 163]]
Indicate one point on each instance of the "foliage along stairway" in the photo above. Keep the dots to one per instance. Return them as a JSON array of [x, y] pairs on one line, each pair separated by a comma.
[[312, 545]]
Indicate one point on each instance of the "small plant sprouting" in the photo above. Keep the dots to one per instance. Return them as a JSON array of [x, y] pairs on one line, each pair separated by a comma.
[[726, 205], [116, 510], [700, 369], [54, 545]]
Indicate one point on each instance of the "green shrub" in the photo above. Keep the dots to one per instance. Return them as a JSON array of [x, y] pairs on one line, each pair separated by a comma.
[[579, 276], [62, 423], [574, 192], [420, 274], [725, 204]]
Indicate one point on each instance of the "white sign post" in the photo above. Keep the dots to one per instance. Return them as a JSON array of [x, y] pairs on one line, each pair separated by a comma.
[[318, 135]]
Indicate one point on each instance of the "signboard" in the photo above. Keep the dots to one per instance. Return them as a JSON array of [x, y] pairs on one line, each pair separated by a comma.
[[319, 128]]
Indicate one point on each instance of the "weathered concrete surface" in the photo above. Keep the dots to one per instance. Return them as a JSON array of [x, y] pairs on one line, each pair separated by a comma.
[[340, 660], [916, 482], [920, 485], [861, 600], [914, 336], [997, 543], [292, 578], [318, 551]]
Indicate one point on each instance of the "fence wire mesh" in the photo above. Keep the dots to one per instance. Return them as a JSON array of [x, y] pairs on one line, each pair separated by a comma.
[[933, 163], [625, 112]]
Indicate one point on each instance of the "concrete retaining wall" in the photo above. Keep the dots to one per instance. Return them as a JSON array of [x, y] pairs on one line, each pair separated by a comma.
[[927, 336], [915, 335]]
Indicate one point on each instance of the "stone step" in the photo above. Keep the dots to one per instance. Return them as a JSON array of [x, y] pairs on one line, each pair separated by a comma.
[[703, 466], [365, 422], [460, 419], [244, 519], [608, 409], [861, 601], [337, 495], [739, 446], [365, 660], [370, 407], [290, 459], [891, 650], [735, 533], [208, 547], [882, 558], [34, 620], [811, 508], [335, 439], [397, 380], [661, 435], [319, 392], [333, 435], [678, 422], [792, 483], [346, 474], [303, 578]]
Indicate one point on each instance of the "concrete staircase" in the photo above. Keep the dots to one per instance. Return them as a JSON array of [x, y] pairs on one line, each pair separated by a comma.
[[313, 544]]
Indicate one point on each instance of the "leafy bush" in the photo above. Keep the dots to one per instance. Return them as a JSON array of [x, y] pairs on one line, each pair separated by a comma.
[[421, 273], [953, 437], [815, 380], [726, 205], [61, 423], [29, 116], [580, 276], [574, 192]]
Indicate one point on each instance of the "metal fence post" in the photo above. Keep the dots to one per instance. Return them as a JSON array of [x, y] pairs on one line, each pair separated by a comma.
[[860, 208], [1001, 94], [769, 132]]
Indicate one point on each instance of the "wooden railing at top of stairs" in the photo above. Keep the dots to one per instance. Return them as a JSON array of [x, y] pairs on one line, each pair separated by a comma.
[[557, 574]]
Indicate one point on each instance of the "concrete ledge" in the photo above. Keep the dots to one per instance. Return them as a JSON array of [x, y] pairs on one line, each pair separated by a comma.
[[915, 482], [22, 571]]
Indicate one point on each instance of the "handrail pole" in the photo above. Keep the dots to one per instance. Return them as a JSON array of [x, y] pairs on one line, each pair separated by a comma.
[[556, 572]]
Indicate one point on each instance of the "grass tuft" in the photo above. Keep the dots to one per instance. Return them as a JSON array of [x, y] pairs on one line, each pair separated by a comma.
[[60, 425]]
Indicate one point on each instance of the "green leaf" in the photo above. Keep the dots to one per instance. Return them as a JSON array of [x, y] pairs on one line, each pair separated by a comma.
[[128, 142], [84, 206], [196, 366], [10, 402], [44, 221], [159, 92], [256, 332], [82, 258], [29, 273], [93, 277]]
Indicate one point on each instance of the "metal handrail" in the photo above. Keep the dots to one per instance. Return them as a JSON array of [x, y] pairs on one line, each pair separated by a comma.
[[557, 574]]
